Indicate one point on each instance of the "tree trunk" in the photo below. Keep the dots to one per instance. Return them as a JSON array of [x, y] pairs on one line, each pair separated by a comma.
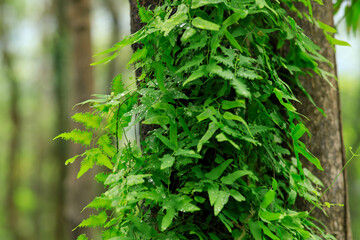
[[12, 214], [136, 25], [60, 52], [326, 142], [80, 191]]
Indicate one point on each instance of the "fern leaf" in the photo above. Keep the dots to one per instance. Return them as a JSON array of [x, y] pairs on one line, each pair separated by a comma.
[[71, 160], [77, 136], [89, 120], [106, 145], [196, 61], [100, 202], [248, 74], [240, 87], [224, 60], [82, 237], [102, 160], [86, 164], [94, 220]]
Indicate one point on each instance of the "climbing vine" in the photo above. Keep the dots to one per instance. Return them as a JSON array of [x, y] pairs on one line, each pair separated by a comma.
[[223, 159]]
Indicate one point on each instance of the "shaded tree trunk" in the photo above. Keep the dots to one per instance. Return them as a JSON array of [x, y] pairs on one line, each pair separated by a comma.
[[12, 214], [326, 142], [60, 66], [79, 192], [136, 25]]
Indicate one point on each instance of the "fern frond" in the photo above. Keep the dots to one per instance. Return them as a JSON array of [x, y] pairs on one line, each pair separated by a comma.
[[77, 136], [89, 120]]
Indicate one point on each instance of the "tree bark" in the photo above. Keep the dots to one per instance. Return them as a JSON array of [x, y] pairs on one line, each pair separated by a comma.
[[60, 65], [80, 191], [136, 25], [326, 142]]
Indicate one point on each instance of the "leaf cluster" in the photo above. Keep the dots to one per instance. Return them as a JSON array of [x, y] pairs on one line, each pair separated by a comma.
[[223, 162]]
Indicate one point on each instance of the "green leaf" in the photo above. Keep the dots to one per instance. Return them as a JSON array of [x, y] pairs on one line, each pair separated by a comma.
[[305, 152], [167, 219], [71, 160], [82, 237], [147, 231], [213, 193], [89, 120], [201, 23], [159, 75], [240, 87], [268, 198], [326, 27], [136, 179], [94, 220], [209, 133], [102, 160], [228, 224], [187, 153], [269, 216], [189, 32], [77, 136], [195, 61], [255, 229], [200, 72], [86, 164], [200, 3], [221, 200], [234, 18], [208, 112], [100, 202], [232, 177], [137, 56], [223, 138], [216, 172], [179, 17], [226, 105], [237, 196], [159, 120], [166, 141], [232, 40], [167, 161], [335, 41], [298, 131], [268, 232]]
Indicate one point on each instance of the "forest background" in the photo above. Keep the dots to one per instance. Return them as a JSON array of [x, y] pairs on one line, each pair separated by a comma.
[[38, 91]]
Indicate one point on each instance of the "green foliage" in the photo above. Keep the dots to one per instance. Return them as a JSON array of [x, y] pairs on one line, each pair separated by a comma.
[[223, 160]]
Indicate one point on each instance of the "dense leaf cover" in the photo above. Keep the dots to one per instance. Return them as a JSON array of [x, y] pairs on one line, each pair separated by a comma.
[[217, 81]]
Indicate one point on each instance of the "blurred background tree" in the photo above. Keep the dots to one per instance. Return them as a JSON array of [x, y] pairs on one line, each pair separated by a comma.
[[45, 50]]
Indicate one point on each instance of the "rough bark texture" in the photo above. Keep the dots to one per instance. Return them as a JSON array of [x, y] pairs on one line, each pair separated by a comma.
[[326, 142], [80, 191]]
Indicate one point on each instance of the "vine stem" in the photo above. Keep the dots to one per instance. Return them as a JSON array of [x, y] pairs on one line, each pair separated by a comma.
[[337, 176]]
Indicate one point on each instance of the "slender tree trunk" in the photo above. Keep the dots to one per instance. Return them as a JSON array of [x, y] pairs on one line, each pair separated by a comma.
[[115, 34], [12, 214], [60, 52], [326, 142], [80, 191]]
